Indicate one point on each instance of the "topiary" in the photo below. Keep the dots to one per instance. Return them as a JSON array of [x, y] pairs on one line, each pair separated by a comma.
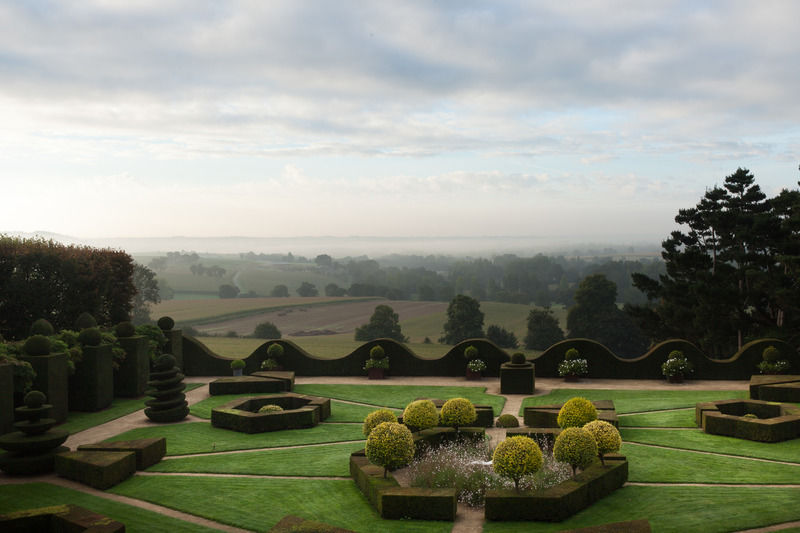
[[37, 345], [576, 412], [516, 457], [270, 408], [518, 359], [124, 329], [507, 421], [470, 352], [85, 320], [606, 436], [34, 399], [90, 337], [770, 354], [750, 415], [42, 327], [575, 446], [390, 445], [165, 323], [458, 412], [377, 352], [570, 354], [420, 414], [238, 364], [275, 351], [375, 418]]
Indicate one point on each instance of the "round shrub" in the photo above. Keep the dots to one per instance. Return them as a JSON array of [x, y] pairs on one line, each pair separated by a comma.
[[576, 412], [390, 445], [518, 359], [275, 351], [125, 329], [267, 330], [750, 415], [42, 327], [164, 362], [270, 408], [575, 446], [85, 320], [90, 337], [237, 364], [771, 354], [36, 345], [35, 399], [165, 323], [377, 417], [507, 421], [606, 436], [470, 352], [516, 457], [377, 352], [570, 354], [458, 412], [420, 414]]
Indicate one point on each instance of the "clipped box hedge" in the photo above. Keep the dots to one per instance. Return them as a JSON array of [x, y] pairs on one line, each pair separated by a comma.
[[776, 421], [775, 388], [247, 385], [546, 416], [101, 470], [91, 387], [58, 519], [517, 378], [300, 411], [148, 451]]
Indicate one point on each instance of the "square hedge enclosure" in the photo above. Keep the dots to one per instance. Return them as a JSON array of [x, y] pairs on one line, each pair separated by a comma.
[[749, 419], [299, 411]]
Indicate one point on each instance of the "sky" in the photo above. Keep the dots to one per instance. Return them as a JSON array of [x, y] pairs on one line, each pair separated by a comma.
[[581, 120]]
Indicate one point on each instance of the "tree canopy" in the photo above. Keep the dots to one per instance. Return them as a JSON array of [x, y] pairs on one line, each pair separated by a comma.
[[384, 323], [464, 320], [543, 329]]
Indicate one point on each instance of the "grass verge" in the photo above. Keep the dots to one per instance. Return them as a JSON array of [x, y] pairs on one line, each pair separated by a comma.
[[678, 418]]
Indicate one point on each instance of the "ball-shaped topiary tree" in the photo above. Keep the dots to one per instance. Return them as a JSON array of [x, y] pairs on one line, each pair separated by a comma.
[[516, 457], [470, 352], [270, 408], [90, 337], [166, 323], [124, 329], [390, 445], [457, 412], [420, 414], [507, 421], [377, 352], [85, 320], [518, 358], [42, 327], [575, 446], [37, 345], [605, 435], [375, 418], [576, 412]]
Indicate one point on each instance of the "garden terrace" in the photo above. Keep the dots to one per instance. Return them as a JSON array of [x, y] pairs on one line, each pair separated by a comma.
[[767, 421], [299, 411]]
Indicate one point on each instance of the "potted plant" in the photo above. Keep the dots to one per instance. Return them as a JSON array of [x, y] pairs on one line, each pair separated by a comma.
[[676, 367], [572, 368], [772, 363], [475, 369], [237, 365], [377, 364]]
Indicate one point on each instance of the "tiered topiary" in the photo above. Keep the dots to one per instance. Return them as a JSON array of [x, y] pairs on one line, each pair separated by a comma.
[[576, 412], [84, 321], [31, 449], [507, 421], [606, 436], [37, 345], [516, 457], [51, 371], [165, 323], [575, 446], [174, 338], [772, 362], [166, 382], [42, 327], [390, 445], [125, 329], [420, 414], [517, 376], [90, 337], [377, 364], [375, 418], [274, 357], [458, 412], [475, 365]]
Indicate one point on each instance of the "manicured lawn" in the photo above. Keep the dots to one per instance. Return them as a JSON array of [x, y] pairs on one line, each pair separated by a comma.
[[679, 418], [257, 504], [32, 495], [636, 401], [398, 396], [329, 460], [201, 437], [788, 451]]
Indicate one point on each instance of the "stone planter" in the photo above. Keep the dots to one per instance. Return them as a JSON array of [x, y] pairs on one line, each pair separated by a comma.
[[52, 378], [130, 379], [91, 388], [517, 378], [237, 372], [376, 373]]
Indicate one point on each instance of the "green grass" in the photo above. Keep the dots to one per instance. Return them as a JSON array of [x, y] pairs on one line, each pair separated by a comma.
[[678, 418], [636, 401], [788, 450], [330, 460], [257, 504], [201, 437], [398, 396], [136, 520]]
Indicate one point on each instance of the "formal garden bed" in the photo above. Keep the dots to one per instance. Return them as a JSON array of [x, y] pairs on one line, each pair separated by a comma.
[[257, 414], [750, 419]]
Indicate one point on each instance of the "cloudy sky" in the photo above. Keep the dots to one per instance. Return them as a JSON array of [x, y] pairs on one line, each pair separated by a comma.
[[589, 120]]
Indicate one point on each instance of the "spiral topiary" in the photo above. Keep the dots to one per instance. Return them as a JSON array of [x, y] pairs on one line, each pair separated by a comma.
[[166, 387], [420, 414], [124, 329], [516, 457], [470, 352], [518, 359], [576, 412], [42, 327], [375, 418], [85, 320], [390, 445], [37, 345], [606, 436], [165, 323], [458, 412], [575, 446], [90, 337], [377, 352], [270, 408], [507, 421]]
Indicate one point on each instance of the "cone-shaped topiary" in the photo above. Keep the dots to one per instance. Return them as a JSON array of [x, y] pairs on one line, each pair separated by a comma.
[[124, 329], [390, 445], [85, 320], [375, 418], [605, 435], [576, 413], [90, 337], [420, 414], [516, 457], [165, 323], [575, 446], [42, 327], [37, 345], [270, 408], [518, 359], [458, 412], [507, 421], [166, 382]]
